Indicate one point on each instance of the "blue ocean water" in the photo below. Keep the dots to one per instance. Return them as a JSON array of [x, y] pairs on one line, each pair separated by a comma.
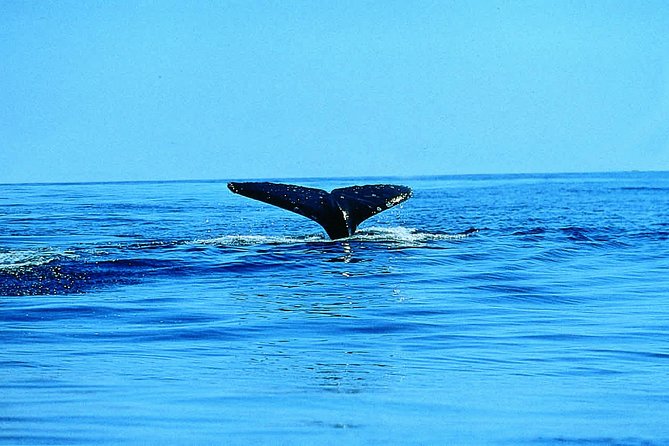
[[179, 313]]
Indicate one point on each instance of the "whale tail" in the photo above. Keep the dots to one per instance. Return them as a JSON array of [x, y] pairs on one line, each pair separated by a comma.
[[339, 212]]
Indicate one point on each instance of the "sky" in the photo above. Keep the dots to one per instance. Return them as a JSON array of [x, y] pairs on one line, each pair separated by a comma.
[[171, 90]]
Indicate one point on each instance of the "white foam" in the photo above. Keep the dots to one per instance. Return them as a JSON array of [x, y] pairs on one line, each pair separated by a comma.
[[397, 234], [251, 240], [13, 260], [402, 235]]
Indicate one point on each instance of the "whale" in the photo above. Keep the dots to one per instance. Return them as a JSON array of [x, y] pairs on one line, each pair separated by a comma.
[[339, 212]]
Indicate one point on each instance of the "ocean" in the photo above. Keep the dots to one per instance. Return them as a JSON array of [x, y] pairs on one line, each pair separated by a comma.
[[180, 313]]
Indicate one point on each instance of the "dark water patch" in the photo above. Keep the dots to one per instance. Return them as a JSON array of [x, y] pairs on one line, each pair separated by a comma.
[[471, 256], [651, 236], [260, 264], [652, 356], [134, 268], [578, 237], [558, 337], [381, 328], [68, 277], [158, 333], [531, 234], [483, 279], [32, 439], [47, 313], [185, 334], [45, 280], [17, 364], [577, 234], [645, 188], [553, 254], [102, 268], [598, 441]]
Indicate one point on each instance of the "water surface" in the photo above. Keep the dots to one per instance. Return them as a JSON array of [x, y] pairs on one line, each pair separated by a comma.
[[179, 313]]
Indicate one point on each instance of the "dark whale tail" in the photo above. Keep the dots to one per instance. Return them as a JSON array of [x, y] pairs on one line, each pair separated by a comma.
[[339, 212]]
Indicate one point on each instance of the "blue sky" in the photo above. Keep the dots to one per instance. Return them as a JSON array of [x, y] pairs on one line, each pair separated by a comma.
[[133, 90]]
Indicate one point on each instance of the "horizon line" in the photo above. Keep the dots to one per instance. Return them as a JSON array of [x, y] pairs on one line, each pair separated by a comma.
[[317, 178]]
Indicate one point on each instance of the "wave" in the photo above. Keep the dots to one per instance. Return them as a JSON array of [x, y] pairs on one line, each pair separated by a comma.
[[25, 258], [47, 271], [20, 259]]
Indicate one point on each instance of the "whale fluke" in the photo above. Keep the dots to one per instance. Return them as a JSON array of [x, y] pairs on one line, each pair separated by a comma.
[[339, 212]]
